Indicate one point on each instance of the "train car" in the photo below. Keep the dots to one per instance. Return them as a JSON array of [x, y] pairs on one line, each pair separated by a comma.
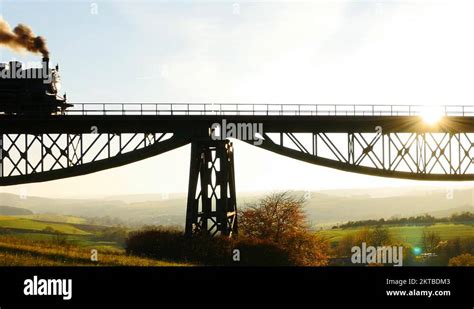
[[32, 91]]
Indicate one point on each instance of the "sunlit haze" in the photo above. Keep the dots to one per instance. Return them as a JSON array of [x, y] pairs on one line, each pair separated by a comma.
[[432, 114]]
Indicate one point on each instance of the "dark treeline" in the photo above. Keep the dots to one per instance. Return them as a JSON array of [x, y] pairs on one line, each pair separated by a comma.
[[418, 220]]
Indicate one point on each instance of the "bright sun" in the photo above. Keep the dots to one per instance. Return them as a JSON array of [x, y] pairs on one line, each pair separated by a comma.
[[431, 114]]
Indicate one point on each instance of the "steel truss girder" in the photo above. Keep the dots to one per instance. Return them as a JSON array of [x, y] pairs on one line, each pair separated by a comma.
[[418, 156], [211, 205], [27, 158]]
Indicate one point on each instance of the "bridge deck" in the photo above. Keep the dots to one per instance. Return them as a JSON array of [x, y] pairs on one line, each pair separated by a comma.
[[192, 125], [371, 139]]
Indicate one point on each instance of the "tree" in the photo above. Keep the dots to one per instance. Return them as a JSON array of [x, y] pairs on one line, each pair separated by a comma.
[[429, 241], [307, 249], [276, 217], [380, 236], [280, 219], [454, 247]]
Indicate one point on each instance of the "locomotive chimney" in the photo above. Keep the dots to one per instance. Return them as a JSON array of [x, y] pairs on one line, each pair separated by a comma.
[[45, 64]]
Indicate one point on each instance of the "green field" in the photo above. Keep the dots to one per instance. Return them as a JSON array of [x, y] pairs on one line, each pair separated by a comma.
[[61, 241], [54, 218], [410, 234], [76, 240], [70, 228], [8, 222]]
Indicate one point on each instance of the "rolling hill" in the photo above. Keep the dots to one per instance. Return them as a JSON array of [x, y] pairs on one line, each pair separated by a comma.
[[14, 211], [323, 207]]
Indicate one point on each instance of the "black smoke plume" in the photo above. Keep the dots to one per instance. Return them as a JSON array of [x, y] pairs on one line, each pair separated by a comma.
[[22, 38]]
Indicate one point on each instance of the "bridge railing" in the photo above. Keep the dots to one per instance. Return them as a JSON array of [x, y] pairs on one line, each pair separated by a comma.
[[265, 109]]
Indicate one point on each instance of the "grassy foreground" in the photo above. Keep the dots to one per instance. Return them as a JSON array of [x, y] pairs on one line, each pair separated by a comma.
[[16, 251]]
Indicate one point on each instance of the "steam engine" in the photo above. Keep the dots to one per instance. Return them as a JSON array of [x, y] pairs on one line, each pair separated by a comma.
[[32, 91]]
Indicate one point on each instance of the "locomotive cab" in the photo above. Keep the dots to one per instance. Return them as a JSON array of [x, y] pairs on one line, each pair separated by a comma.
[[32, 91]]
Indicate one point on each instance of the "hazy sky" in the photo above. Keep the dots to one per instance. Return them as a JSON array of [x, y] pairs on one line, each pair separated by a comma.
[[326, 52]]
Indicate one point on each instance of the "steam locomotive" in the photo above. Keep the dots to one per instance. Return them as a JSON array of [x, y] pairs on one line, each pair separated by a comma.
[[32, 91]]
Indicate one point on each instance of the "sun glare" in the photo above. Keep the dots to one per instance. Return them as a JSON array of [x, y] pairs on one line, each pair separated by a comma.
[[431, 114]]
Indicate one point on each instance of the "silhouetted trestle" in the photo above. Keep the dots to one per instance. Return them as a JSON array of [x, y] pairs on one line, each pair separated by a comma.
[[211, 206]]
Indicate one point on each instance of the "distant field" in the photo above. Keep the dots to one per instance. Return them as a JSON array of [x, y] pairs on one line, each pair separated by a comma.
[[54, 218], [410, 234], [8, 222]]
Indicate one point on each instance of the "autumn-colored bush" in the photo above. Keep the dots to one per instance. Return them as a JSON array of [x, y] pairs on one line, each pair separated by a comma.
[[205, 250], [462, 260], [272, 232], [280, 218]]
